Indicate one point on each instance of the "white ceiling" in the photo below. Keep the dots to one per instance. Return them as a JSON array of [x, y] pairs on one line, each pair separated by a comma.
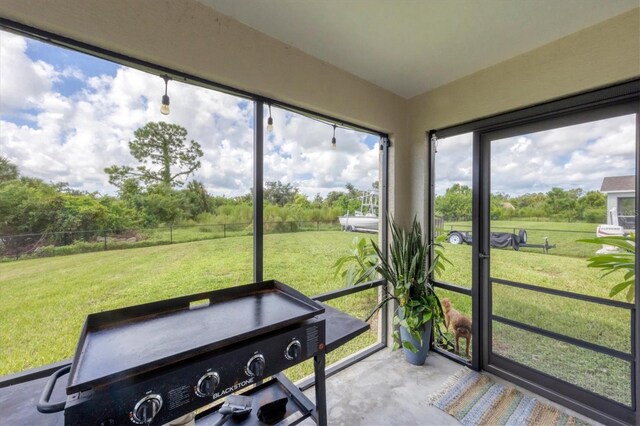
[[411, 46]]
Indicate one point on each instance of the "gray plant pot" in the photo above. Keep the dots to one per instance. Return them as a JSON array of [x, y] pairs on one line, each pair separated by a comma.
[[417, 358]]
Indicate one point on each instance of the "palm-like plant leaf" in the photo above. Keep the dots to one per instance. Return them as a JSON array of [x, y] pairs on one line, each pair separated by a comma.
[[407, 271], [358, 266], [614, 262]]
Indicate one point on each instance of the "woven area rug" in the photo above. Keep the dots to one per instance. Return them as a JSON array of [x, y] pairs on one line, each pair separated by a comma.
[[475, 399]]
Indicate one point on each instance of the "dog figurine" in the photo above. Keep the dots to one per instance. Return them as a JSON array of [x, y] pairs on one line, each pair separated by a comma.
[[460, 324]]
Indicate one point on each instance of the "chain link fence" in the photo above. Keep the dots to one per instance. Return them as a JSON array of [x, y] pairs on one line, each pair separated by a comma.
[[14, 247]]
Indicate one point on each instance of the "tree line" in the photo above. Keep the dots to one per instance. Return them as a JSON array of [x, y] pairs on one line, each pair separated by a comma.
[[157, 192], [571, 205]]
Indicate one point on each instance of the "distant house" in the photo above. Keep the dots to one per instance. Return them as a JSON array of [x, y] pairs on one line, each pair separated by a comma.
[[621, 196]]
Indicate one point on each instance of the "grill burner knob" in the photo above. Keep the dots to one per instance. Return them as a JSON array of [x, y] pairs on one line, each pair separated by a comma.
[[255, 366], [294, 348], [146, 409], [207, 384]]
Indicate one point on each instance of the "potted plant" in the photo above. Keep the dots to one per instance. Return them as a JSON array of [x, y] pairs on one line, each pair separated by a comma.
[[406, 270]]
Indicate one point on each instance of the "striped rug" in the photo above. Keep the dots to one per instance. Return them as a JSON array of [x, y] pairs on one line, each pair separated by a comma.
[[475, 399]]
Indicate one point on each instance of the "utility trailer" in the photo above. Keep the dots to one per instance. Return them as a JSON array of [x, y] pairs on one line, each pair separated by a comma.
[[501, 240]]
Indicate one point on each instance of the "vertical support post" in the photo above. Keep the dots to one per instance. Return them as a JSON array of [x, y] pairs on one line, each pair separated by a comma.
[[320, 377], [317, 225], [105, 239], [320, 388], [258, 190], [478, 265], [635, 339], [224, 230], [430, 195], [171, 233], [384, 225], [430, 185]]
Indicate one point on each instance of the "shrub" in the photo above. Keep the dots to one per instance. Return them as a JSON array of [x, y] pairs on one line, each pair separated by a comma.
[[595, 216]]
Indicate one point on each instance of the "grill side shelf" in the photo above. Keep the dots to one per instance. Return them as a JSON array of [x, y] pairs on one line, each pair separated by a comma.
[[341, 327]]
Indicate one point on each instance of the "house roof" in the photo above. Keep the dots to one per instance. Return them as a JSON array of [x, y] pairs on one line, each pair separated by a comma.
[[618, 183]]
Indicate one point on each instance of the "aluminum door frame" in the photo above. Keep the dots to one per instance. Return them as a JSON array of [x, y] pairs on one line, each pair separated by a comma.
[[579, 399]]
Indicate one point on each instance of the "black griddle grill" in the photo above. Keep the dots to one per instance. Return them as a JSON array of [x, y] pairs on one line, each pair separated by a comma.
[[124, 342], [152, 363]]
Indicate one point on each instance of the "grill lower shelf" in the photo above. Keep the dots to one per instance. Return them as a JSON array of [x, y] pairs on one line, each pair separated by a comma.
[[299, 406]]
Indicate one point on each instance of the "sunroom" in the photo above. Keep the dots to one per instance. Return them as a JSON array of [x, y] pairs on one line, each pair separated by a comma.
[[321, 127]]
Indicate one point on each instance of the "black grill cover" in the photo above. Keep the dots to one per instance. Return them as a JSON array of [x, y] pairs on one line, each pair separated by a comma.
[[504, 240]]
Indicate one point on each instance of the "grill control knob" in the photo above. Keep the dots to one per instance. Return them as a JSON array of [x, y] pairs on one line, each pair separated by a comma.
[[255, 366], [207, 384], [146, 409], [293, 351]]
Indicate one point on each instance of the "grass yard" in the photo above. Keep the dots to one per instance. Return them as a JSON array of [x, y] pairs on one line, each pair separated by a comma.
[[43, 302], [189, 233], [605, 326], [149, 237]]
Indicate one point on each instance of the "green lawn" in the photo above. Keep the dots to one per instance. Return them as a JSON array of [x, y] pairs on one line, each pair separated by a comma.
[[43, 302], [167, 235], [605, 326]]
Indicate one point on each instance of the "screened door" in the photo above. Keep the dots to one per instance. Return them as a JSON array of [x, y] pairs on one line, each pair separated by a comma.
[[548, 317]]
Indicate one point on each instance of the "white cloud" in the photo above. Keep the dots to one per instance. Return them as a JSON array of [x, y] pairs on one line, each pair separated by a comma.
[[299, 152], [23, 82], [453, 162], [577, 156], [73, 136], [521, 145]]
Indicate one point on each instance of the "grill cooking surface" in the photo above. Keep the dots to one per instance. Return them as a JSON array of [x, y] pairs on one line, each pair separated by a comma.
[[112, 351]]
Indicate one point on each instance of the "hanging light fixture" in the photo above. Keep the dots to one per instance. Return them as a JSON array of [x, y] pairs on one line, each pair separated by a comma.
[[270, 121], [164, 109], [333, 140]]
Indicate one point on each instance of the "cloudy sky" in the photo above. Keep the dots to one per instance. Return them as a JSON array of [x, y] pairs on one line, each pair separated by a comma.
[[65, 116], [578, 156]]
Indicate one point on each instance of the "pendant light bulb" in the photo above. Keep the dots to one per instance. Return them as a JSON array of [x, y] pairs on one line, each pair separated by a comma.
[[164, 109], [333, 139], [270, 121]]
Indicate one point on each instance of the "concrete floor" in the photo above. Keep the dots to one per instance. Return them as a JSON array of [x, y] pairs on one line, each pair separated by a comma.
[[384, 389]]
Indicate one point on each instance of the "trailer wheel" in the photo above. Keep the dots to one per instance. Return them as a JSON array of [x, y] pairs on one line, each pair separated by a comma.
[[351, 228], [522, 236], [455, 238]]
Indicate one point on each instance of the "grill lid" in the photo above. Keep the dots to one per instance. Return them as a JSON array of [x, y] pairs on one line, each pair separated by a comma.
[[125, 342]]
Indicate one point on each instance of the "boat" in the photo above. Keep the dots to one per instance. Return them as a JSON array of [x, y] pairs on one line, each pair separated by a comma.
[[366, 218]]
